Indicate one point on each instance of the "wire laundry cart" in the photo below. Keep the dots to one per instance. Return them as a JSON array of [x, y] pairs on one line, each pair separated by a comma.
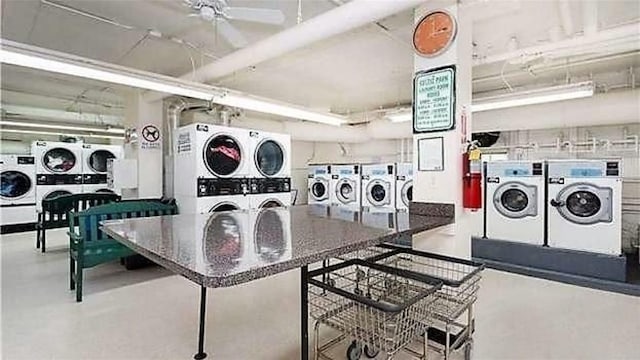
[[461, 281], [380, 308]]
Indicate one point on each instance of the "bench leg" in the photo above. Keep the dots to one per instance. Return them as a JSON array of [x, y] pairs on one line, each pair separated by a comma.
[[38, 238], [79, 282], [44, 239], [72, 270]]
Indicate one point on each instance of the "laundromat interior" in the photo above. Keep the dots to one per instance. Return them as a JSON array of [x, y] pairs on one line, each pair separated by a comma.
[[320, 179]]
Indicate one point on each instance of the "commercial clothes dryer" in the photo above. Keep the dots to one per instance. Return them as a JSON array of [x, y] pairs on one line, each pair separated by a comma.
[[345, 189], [207, 204], [51, 191], [378, 187], [515, 201], [57, 158], [271, 155], [267, 200], [17, 189], [224, 241], [404, 185], [94, 166], [270, 234], [318, 187], [584, 205]]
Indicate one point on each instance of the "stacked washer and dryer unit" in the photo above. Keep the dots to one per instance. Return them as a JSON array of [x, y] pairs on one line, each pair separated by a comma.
[[17, 189], [94, 167], [58, 169], [567, 204]]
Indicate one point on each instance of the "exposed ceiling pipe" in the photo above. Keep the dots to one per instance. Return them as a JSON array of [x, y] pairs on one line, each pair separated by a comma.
[[175, 108], [333, 22]]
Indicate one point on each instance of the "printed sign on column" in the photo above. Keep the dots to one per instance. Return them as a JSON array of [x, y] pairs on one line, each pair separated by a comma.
[[434, 100], [150, 137]]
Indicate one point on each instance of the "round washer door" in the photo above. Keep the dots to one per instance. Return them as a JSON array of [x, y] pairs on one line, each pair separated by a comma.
[[224, 206], [407, 193], [269, 236], [97, 161], [59, 160], [378, 192], [14, 185], [56, 193], [346, 191], [269, 157], [271, 203], [319, 189], [223, 241], [223, 155], [516, 200], [584, 204]]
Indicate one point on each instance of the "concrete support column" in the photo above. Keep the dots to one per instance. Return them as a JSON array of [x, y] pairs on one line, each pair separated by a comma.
[[446, 186], [146, 118]]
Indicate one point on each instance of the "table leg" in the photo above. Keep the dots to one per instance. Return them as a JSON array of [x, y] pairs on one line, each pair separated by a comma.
[[203, 306], [304, 314]]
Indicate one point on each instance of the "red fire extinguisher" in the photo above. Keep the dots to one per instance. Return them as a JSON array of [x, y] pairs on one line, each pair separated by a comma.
[[471, 178]]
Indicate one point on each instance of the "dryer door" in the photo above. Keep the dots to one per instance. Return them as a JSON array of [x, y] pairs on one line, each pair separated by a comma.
[[378, 192], [269, 235], [269, 157], [223, 155], [97, 161], [346, 191], [584, 203], [516, 200], [407, 193], [319, 189], [59, 160], [14, 185], [56, 193], [223, 241]]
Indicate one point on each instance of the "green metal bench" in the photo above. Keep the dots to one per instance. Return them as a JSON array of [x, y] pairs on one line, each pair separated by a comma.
[[55, 211], [89, 246]]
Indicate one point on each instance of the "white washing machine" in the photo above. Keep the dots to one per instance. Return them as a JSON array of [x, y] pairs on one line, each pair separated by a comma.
[[382, 219], [51, 191], [346, 213], [270, 234], [271, 155], [202, 205], [94, 166], [318, 188], [344, 187], [268, 200], [379, 187], [225, 241], [515, 201], [404, 185], [57, 158], [584, 205], [17, 189]]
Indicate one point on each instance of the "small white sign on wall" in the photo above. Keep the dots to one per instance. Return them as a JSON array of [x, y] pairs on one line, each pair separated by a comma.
[[431, 154]]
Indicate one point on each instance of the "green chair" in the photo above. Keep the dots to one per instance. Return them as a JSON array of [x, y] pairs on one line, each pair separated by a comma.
[[89, 246], [55, 210]]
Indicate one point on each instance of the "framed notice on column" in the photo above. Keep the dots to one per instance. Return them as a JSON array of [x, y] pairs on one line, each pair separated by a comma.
[[434, 100], [431, 154]]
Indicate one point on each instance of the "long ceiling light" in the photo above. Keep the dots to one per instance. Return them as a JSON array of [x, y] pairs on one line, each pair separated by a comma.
[[43, 59], [532, 97], [38, 132], [113, 130], [43, 113]]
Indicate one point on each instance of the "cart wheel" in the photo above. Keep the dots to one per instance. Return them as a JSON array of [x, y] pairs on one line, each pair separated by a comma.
[[357, 291], [468, 350], [370, 352], [359, 274], [354, 352], [331, 282]]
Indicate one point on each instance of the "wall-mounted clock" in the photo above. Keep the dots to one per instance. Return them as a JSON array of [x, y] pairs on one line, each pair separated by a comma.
[[434, 33]]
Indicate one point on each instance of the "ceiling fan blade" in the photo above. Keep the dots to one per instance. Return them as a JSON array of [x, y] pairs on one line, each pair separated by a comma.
[[265, 16], [230, 33]]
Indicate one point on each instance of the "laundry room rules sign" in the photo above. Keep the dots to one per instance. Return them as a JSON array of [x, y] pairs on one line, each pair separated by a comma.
[[434, 100]]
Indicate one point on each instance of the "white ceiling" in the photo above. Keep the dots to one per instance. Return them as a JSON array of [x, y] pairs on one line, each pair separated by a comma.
[[361, 70]]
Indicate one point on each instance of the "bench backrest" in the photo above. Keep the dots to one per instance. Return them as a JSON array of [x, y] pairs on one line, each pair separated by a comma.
[[54, 210], [89, 220]]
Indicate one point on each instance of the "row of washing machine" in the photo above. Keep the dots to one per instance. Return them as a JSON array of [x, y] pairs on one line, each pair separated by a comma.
[[370, 186], [52, 169], [219, 168], [568, 204]]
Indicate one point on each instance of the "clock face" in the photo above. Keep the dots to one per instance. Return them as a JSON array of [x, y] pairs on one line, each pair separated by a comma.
[[434, 33]]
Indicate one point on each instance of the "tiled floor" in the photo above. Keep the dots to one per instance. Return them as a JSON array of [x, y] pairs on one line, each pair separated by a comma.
[[151, 314]]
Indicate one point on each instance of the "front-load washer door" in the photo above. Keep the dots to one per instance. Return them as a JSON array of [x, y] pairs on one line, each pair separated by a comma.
[[407, 193], [59, 160], [56, 193], [516, 200], [346, 191], [378, 192], [97, 161], [14, 185], [223, 241], [319, 189], [269, 235], [223, 155], [269, 157], [584, 203]]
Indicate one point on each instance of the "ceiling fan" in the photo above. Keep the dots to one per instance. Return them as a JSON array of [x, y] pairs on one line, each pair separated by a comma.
[[218, 12]]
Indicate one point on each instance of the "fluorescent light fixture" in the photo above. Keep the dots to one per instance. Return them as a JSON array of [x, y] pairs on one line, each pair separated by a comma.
[[37, 132], [35, 112], [538, 96], [37, 58], [400, 116], [60, 127]]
